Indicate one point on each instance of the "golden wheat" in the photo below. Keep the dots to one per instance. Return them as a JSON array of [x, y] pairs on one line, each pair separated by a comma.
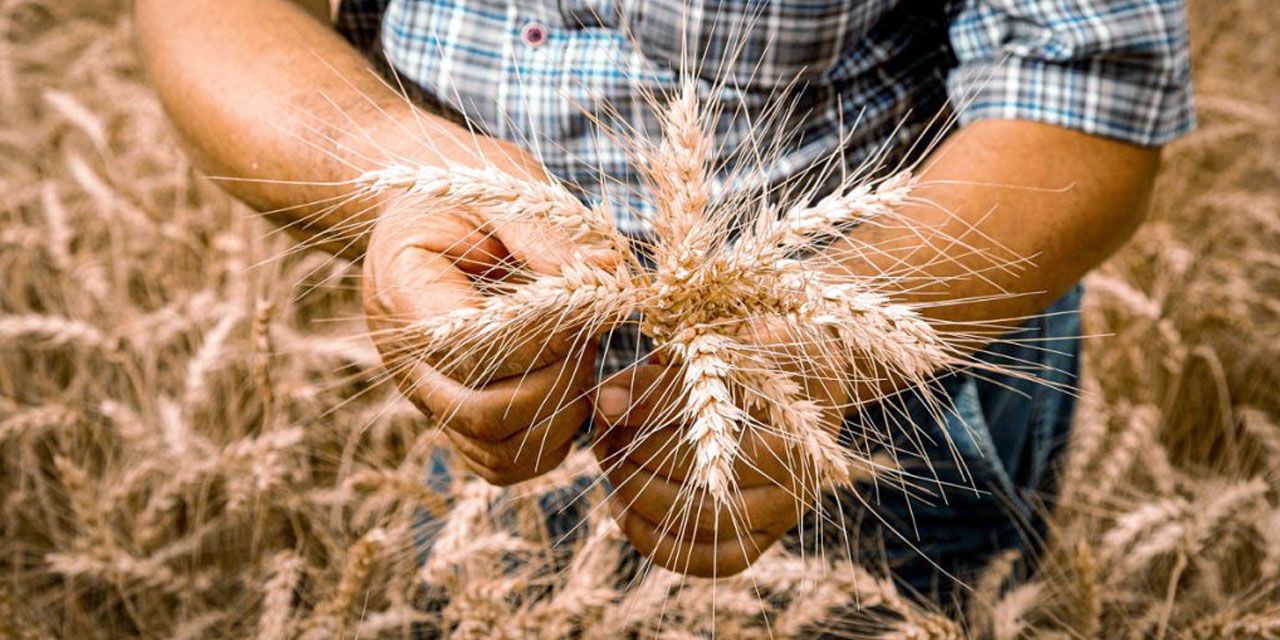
[[127, 512], [705, 289]]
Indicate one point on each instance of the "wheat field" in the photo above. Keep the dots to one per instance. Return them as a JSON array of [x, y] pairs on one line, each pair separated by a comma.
[[196, 440]]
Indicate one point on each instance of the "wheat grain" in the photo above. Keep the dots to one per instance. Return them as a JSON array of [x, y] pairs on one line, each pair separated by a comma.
[[494, 193], [396, 622], [31, 422], [1125, 295], [580, 294], [1266, 434], [53, 331], [262, 462], [108, 567], [699, 289], [1115, 465], [834, 213], [1009, 614], [678, 175], [1166, 539], [205, 360], [467, 519], [1138, 524], [332, 615], [712, 413], [1268, 528], [110, 204], [894, 334], [1225, 508], [200, 626], [58, 241], [1087, 612], [988, 588], [401, 485], [928, 626], [77, 114], [275, 623], [260, 330], [175, 432], [1228, 627]]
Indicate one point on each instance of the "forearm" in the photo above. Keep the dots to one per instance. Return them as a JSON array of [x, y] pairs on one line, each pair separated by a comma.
[[1002, 191], [264, 90]]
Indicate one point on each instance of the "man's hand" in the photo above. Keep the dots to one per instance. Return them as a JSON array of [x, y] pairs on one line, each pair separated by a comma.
[[512, 419], [669, 521], [681, 528], [265, 90]]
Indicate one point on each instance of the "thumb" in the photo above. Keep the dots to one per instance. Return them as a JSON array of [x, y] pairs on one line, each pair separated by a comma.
[[645, 396], [545, 248]]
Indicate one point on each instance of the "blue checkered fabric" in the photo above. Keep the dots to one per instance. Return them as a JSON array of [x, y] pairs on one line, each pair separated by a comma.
[[1116, 68]]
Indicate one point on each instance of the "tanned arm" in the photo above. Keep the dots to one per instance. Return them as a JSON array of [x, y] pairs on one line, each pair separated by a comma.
[[1010, 190], [266, 90]]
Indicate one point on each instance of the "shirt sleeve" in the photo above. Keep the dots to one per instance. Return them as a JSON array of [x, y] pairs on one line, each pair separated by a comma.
[[1115, 68], [360, 21]]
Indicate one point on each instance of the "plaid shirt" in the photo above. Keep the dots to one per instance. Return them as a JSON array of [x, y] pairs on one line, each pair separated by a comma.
[[532, 71], [861, 75]]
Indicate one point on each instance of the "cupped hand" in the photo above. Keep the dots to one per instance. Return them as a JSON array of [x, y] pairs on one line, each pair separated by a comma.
[[511, 410], [665, 516]]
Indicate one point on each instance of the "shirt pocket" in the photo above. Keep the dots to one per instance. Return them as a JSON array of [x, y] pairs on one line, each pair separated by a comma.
[[752, 44]]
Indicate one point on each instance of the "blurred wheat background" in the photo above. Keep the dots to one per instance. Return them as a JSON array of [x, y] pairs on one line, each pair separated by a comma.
[[194, 442]]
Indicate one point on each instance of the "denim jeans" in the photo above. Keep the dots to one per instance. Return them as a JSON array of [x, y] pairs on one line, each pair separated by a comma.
[[986, 478], [990, 469]]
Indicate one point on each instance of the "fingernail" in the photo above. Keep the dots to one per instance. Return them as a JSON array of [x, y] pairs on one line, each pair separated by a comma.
[[613, 402]]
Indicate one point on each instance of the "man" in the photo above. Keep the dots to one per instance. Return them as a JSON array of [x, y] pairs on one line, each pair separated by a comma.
[[1070, 101]]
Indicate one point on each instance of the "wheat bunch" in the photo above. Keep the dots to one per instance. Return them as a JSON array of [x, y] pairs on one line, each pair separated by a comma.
[[710, 274], [118, 520]]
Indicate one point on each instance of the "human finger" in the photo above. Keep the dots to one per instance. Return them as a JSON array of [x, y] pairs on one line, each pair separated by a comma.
[[762, 458], [417, 288], [714, 559], [546, 249], [525, 468], [691, 513], [556, 392]]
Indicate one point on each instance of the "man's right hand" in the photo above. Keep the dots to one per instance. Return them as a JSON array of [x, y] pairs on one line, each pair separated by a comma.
[[512, 412], [265, 90]]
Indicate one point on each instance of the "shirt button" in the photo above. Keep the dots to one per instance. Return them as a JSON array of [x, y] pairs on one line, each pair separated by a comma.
[[534, 34]]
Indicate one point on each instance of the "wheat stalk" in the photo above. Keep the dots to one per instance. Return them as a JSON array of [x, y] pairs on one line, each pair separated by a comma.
[[53, 331]]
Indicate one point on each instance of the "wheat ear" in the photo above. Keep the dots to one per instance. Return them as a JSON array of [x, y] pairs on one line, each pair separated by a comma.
[[276, 622], [711, 412], [495, 193]]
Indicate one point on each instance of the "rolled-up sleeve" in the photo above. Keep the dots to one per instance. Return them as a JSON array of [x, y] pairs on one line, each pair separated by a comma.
[[1114, 68]]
